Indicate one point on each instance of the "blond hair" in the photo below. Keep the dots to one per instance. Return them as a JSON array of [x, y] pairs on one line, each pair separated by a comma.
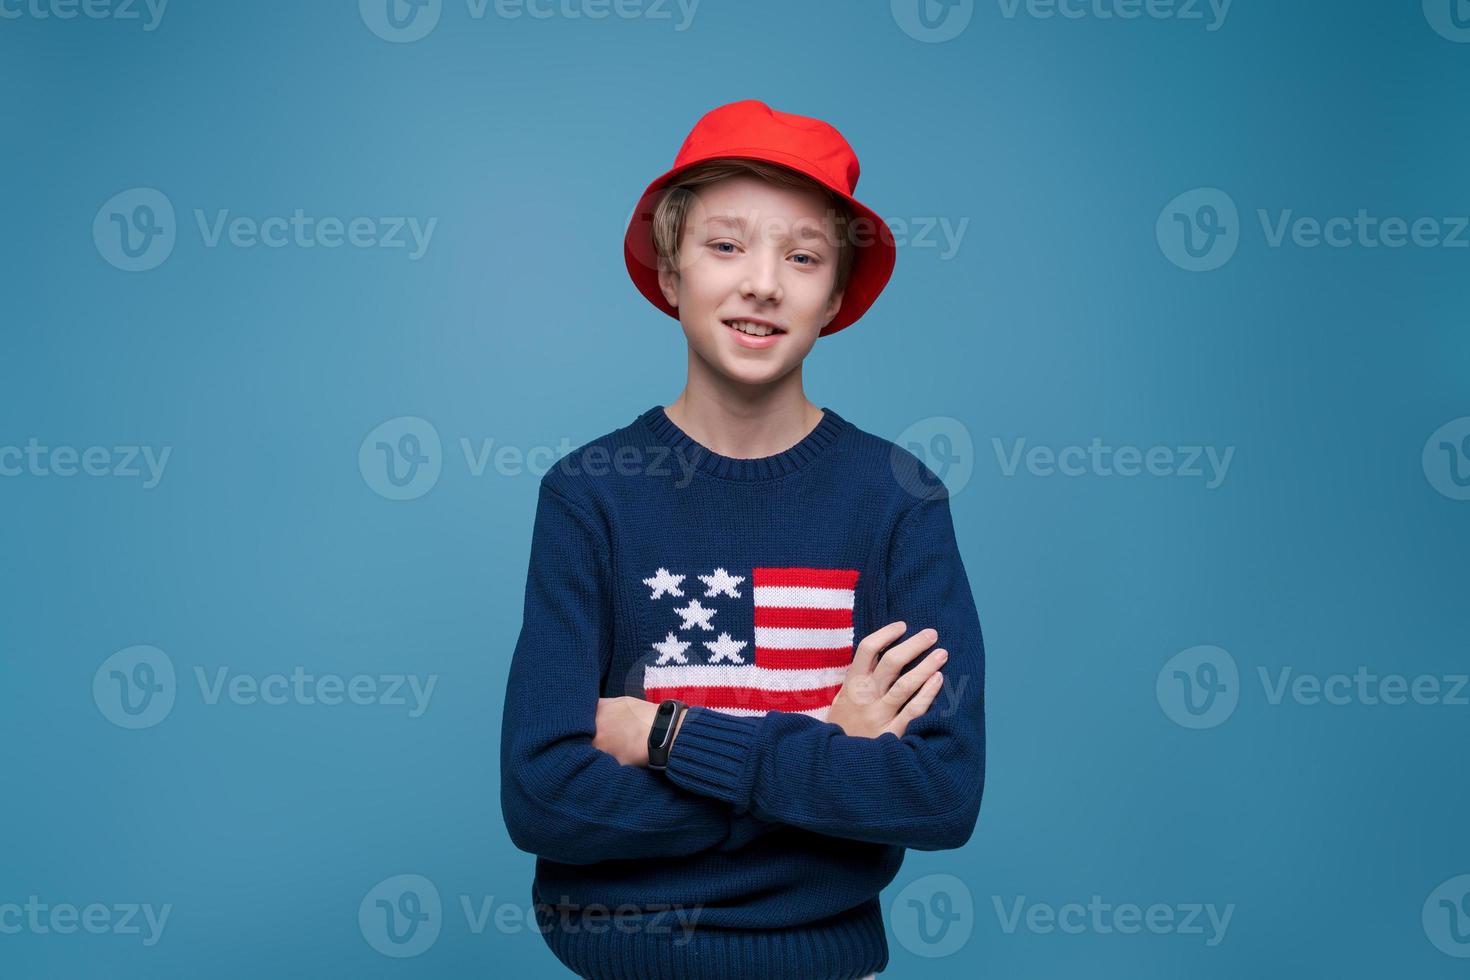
[[673, 208]]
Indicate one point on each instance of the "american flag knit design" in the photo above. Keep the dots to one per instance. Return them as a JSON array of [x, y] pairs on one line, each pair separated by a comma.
[[795, 659]]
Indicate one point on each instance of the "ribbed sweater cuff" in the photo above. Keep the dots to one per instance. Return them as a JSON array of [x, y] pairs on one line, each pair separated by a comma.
[[712, 754]]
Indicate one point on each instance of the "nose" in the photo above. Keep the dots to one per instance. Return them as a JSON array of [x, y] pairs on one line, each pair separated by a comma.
[[761, 282]]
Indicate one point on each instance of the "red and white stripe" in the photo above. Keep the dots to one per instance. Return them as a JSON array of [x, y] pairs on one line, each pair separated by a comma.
[[803, 647]]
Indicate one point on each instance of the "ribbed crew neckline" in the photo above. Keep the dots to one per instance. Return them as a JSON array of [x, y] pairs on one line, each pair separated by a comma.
[[827, 432]]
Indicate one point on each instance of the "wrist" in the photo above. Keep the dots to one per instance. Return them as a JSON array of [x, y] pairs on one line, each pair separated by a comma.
[[668, 717]]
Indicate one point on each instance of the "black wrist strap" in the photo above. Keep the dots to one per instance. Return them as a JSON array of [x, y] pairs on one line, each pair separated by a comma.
[[661, 735]]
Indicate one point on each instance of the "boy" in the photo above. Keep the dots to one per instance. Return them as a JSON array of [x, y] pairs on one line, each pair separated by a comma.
[[716, 779]]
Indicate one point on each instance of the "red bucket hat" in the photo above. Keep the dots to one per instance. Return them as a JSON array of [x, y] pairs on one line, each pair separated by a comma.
[[752, 130]]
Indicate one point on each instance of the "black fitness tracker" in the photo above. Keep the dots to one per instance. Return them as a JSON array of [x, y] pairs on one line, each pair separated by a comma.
[[661, 735]]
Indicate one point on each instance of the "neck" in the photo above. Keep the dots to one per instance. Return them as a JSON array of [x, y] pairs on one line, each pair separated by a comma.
[[743, 421]]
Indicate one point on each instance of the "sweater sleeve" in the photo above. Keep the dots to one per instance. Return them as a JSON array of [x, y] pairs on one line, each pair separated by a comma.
[[562, 798], [921, 790]]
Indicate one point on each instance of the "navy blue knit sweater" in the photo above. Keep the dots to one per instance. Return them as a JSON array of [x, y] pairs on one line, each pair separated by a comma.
[[659, 569]]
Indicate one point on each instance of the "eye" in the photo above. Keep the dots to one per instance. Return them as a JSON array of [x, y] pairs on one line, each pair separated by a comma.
[[716, 246], [812, 259]]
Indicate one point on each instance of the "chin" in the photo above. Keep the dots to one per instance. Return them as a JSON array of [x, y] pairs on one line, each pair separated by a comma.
[[749, 373]]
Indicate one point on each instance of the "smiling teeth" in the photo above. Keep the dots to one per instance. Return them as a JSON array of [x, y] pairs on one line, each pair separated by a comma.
[[754, 329]]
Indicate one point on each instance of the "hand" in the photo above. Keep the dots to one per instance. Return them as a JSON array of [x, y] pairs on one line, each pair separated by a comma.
[[874, 699], [622, 728]]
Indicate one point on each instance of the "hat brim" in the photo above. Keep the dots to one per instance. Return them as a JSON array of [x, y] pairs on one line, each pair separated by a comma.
[[872, 265]]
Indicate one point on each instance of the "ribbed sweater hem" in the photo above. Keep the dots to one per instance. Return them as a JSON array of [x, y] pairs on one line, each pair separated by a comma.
[[661, 946]]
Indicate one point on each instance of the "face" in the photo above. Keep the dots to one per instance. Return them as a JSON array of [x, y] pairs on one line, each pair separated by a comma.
[[752, 250]]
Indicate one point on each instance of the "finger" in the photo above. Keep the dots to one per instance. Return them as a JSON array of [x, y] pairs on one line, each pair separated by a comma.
[[867, 651], [908, 683], [897, 657], [859, 689], [917, 705]]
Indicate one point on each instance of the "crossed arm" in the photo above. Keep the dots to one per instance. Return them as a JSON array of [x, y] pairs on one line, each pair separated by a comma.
[[731, 777], [562, 798]]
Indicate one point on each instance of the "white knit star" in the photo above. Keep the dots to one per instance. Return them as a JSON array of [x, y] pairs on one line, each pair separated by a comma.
[[695, 615], [664, 581], [672, 648], [722, 581], [725, 648]]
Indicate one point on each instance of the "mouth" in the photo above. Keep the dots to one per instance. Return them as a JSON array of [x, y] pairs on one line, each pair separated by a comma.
[[754, 328]]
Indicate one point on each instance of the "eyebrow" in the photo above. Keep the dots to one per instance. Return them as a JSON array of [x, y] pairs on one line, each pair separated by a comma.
[[805, 232]]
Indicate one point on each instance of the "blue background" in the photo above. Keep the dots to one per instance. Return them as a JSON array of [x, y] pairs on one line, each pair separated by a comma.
[[1059, 318]]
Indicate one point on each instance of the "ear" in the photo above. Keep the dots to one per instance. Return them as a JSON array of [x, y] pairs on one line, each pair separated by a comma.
[[668, 284], [833, 305]]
